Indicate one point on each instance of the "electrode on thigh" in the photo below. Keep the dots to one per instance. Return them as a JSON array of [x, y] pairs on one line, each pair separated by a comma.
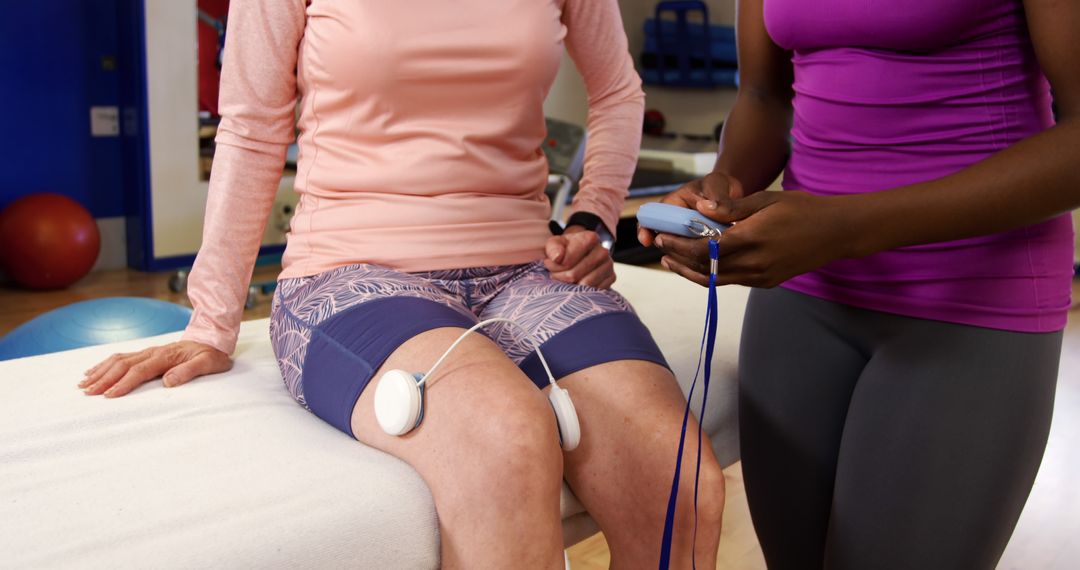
[[399, 402], [399, 396]]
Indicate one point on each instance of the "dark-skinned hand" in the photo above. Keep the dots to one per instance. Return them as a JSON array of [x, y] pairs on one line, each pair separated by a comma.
[[776, 236], [718, 187]]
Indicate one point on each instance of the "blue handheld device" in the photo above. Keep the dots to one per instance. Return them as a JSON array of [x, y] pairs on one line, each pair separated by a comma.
[[679, 221]]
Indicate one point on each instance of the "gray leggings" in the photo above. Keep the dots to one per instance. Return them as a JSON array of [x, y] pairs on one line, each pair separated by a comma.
[[872, 440]]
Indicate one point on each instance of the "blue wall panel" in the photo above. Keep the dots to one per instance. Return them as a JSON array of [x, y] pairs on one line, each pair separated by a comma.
[[52, 55]]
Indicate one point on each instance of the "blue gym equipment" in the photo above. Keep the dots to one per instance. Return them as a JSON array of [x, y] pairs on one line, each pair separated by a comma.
[[682, 49], [89, 323]]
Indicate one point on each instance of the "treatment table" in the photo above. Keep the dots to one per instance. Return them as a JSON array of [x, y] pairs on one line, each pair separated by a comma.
[[229, 472]]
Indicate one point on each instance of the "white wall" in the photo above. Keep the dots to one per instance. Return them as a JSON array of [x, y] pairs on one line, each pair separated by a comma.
[[177, 193], [113, 253]]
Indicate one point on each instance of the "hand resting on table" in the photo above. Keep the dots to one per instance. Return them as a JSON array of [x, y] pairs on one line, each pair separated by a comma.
[[177, 362]]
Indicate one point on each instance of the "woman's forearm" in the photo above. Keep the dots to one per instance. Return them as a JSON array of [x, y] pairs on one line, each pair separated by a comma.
[[597, 43], [1026, 183], [754, 146], [257, 104]]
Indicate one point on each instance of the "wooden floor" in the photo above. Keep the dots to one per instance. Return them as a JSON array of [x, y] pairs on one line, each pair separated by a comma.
[[1044, 539], [18, 305]]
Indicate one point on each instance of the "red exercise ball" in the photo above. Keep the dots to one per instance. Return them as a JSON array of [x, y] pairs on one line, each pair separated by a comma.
[[655, 123], [49, 241]]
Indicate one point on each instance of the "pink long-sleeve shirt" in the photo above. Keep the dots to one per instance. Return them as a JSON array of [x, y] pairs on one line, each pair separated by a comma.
[[420, 128]]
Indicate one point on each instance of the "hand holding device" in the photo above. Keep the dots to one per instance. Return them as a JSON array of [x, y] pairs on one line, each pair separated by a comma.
[[717, 187]]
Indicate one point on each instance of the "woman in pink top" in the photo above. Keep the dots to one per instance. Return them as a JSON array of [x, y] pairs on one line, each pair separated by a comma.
[[896, 387], [422, 211]]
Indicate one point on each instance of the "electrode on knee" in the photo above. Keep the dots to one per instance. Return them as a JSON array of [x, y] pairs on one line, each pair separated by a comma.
[[399, 395]]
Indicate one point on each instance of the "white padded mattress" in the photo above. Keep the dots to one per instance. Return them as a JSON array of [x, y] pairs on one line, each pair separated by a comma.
[[229, 472]]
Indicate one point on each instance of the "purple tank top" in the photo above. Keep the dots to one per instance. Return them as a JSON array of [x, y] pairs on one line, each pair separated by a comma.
[[893, 93]]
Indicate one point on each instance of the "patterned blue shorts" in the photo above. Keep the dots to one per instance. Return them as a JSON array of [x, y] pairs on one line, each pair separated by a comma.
[[331, 332]]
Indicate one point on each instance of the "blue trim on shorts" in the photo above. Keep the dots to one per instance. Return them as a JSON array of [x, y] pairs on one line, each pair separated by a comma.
[[348, 348], [596, 340]]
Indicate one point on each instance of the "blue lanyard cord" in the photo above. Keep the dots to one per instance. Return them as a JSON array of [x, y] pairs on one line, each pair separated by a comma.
[[708, 342], [709, 346]]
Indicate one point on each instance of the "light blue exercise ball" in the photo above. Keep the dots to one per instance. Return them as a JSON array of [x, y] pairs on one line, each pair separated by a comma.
[[88, 323]]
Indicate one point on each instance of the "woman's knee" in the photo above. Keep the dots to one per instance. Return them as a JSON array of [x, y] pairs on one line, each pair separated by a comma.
[[710, 495], [518, 444]]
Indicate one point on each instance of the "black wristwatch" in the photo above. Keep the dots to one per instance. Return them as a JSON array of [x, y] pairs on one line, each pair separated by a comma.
[[591, 222]]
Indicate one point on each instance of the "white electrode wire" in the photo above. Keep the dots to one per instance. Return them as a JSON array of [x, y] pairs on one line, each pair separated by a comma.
[[536, 347]]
